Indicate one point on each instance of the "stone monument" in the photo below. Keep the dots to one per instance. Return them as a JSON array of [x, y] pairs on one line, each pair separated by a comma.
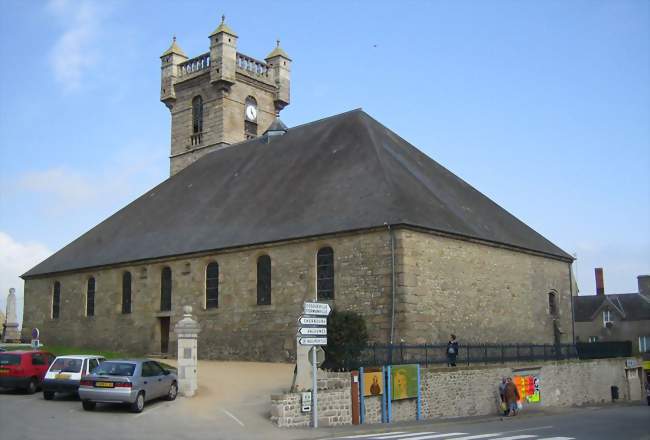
[[10, 332], [187, 330]]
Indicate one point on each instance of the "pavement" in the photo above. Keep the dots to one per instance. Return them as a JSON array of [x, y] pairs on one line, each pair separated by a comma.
[[232, 403]]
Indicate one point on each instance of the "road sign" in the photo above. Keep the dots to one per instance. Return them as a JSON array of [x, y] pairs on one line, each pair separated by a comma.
[[313, 330], [313, 341], [313, 308], [310, 320], [320, 356]]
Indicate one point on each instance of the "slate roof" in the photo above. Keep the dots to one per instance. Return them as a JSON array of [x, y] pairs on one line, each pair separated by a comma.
[[630, 306], [343, 173]]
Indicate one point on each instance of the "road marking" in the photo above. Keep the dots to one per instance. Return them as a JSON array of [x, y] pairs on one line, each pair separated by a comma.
[[229, 414], [515, 437], [529, 429], [472, 437], [558, 438], [427, 437], [150, 410], [401, 436], [372, 435]]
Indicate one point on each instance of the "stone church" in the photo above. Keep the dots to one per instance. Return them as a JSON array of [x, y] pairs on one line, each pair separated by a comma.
[[256, 218]]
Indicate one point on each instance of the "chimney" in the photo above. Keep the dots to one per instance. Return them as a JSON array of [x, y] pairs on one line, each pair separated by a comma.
[[600, 283], [644, 284]]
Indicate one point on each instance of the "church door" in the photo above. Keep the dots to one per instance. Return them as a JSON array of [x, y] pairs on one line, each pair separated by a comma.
[[164, 334]]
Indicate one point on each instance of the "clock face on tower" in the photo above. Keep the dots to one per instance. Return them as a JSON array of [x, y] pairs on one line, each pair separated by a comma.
[[251, 112]]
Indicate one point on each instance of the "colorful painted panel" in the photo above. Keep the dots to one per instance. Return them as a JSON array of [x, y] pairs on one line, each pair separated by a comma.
[[372, 383], [528, 387], [404, 380]]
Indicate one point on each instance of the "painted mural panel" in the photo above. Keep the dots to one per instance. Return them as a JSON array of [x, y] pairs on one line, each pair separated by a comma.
[[528, 387], [404, 380], [372, 383]]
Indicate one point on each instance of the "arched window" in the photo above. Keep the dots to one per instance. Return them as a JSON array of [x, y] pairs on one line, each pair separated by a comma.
[[197, 115], [325, 274], [90, 297], [264, 280], [56, 300], [126, 292], [552, 304], [250, 118], [212, 286], [166, 289]]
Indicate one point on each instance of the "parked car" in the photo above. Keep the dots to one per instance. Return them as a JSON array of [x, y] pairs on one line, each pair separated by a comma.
[[65, 373], [127, 381], [24, 369]]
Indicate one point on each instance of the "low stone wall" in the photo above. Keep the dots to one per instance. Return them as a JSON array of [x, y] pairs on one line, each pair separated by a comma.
[[334, 404]]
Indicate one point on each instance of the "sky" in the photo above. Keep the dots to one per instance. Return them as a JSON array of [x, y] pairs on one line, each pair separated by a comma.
[[542, 106]]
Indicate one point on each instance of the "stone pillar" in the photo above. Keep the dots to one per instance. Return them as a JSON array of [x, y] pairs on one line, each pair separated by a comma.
[[303, 367], [11, 333], [187, 330]]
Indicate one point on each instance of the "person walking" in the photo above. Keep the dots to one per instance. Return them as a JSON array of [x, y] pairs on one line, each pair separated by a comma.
[[502, 394], [511, 394], [452, 351], [647, 390]]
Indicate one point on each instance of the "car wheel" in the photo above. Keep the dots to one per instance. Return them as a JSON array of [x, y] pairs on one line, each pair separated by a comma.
[[138, 405], [173, 391], [48, 395], [88, 405], [32, 386]]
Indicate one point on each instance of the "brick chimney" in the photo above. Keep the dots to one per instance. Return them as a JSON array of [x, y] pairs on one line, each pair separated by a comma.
[[600, 283]]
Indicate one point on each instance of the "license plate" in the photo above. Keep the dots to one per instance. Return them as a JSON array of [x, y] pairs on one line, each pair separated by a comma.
[[104, 384], [62, 376]]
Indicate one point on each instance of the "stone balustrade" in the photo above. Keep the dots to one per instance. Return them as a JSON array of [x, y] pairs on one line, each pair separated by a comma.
[[196, 64], [252, 65]]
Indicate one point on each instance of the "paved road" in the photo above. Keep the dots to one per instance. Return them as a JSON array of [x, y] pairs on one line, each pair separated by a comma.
[[619, 422]]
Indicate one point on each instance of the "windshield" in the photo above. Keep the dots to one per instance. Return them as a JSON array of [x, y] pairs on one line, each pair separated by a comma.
[[115, 369], [9, 359], [66, 365]]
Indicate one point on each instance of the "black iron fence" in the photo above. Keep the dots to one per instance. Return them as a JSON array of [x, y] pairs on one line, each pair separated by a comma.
[[600, 350], [469, 354]]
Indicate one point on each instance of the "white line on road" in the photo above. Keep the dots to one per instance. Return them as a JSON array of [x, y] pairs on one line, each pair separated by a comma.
[[428, 437], [558, 438], [472, 437], [370, 435], [515, 437], [529, 429], [401, 436], [229, 414], [150, 410]]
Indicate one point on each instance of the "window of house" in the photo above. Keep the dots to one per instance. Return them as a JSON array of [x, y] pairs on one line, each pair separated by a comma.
[[264, 280], [212, 286], [325, 274], [56, 300], [166, 289], [197, 115], [126, 292], [90, 297], [607, 317], [593, 338], [552, 304], [644, 344]]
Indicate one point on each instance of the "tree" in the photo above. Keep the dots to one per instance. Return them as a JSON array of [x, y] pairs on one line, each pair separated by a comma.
[[347, 336]]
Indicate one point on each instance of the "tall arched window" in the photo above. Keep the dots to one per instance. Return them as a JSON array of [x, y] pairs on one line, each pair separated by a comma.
[[90, 297], [56, 300], [166, 289], [552, 303], [325, 274], [197, 114], [126, 292], [212, 286], [264, 280]]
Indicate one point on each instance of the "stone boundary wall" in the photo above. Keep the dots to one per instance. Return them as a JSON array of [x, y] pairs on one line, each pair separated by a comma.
[[334, 403], [462, 392]]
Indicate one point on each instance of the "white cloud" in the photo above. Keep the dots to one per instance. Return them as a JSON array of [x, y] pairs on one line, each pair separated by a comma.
[[74, 52], [17, 258]]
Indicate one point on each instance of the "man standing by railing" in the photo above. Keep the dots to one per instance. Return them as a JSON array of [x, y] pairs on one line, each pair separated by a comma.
[[452, 351]]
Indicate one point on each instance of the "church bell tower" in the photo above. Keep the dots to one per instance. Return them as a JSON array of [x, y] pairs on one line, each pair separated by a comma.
[[220, 97]]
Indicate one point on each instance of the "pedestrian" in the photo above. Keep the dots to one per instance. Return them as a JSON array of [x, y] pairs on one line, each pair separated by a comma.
[[452, 351], [502, 394], [511, 395], [647, 390]]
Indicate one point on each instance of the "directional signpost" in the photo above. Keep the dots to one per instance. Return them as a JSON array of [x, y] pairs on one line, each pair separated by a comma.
[[313, 331]]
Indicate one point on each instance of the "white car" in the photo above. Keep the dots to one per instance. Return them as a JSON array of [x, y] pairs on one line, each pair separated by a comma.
[[65, 373]]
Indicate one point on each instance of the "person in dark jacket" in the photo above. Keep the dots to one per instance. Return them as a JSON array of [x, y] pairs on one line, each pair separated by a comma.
[[452, 351], [511, 394]]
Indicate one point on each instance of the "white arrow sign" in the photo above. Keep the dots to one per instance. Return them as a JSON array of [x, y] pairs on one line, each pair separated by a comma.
[[317, 309], [313, 341], [313, 330], [307, 320]]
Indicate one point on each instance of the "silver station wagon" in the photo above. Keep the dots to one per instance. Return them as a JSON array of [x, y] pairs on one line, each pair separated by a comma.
[[127, 381]]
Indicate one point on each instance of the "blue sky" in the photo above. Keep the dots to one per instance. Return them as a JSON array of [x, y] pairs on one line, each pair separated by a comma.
[[542, 106]]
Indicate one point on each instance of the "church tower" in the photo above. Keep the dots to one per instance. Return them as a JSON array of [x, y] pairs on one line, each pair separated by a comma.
[[220, 97]]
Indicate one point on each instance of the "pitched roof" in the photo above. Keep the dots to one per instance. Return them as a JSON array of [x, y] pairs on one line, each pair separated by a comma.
[[630, 306], [343, 173]]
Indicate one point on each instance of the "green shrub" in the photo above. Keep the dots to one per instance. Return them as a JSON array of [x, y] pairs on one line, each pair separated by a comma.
[[347, 336]]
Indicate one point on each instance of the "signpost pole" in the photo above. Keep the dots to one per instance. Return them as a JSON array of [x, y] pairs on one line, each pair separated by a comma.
[[314, 399]]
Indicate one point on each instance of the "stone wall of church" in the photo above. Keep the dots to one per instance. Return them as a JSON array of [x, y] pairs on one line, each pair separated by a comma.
[[238, 328], [479, 292]]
